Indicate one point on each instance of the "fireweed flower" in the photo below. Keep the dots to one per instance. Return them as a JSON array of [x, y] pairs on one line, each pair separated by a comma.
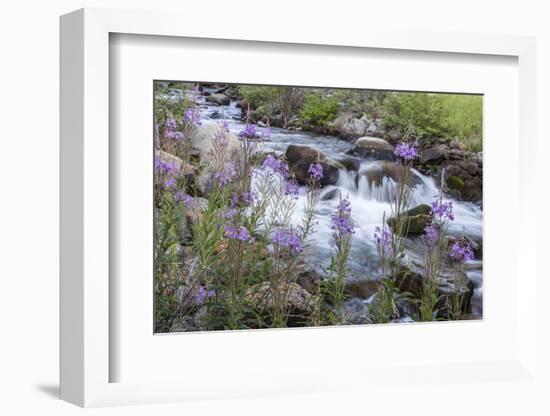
[[443, 211], [384, 240], [229, 213], [170, 124], [187, 200], [244, 199], [170, 183], [249, 132], [432, 234], [236, 233], [292, 189], [222, 178], [461, 251], [192, 118], [163, 167], [406, 151], [341, 219], [203, 295], [286, 239], [316, 171], [276, 165]]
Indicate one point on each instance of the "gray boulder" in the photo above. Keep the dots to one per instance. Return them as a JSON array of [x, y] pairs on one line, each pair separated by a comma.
[[375, 148], [219, 99]]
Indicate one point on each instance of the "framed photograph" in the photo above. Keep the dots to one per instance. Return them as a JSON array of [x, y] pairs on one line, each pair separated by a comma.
[[274, 214]]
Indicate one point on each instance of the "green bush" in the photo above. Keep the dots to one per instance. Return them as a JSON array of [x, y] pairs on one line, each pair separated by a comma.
[[318, 110], [427, 115]]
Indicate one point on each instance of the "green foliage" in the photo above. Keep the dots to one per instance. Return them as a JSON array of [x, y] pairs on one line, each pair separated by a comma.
[[166, 107], [427, 115], [259, 96], [319, 110], [367, 102]]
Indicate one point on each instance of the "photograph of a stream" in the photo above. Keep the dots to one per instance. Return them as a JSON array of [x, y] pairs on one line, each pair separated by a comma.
[[279, 207]]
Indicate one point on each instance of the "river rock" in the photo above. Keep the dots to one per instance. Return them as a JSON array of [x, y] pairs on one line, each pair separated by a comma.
[[330, 195], [385, 169], [350, 127], [298, 300], [350, 163], [183, 168], [219, 99], [363, 288], [450, 284], [373, 148], [202, 142], [300, 158], [434, 154], [467, 176], [416, 220]]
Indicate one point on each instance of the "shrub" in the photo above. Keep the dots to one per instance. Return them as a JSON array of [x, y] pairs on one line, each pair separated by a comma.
[[426, 115], [319, 111]]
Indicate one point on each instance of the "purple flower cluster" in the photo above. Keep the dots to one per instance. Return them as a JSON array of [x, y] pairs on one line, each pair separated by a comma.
[[285, 238], [406, 151], [443, 211], [170, 184], [170, 131], [192, 117], [229, 213], [292, 189], [203, 295], [461, 251], [249, 132], [222, 178], [432, 234], [316, 171], [341, 220], [245, 199], [187, 200], [170, 124], [164, 167], [384, 240], [236, 233], [276, 165]]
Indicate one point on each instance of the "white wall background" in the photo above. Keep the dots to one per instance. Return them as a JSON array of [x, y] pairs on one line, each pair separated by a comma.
[[29, 191]]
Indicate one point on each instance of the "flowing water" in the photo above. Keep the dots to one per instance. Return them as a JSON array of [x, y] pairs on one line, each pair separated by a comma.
[[370, 203]]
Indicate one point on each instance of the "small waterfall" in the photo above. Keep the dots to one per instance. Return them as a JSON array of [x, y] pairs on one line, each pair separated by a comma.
[[370, 190]]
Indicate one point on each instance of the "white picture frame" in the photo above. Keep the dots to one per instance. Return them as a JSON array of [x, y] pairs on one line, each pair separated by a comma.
[[85, 212]]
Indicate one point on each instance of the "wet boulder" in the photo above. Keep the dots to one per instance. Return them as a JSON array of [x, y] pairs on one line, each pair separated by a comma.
[[300, 158], [372, 148], [413, 221], [219, 99], [331, 194], [375, 174]]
